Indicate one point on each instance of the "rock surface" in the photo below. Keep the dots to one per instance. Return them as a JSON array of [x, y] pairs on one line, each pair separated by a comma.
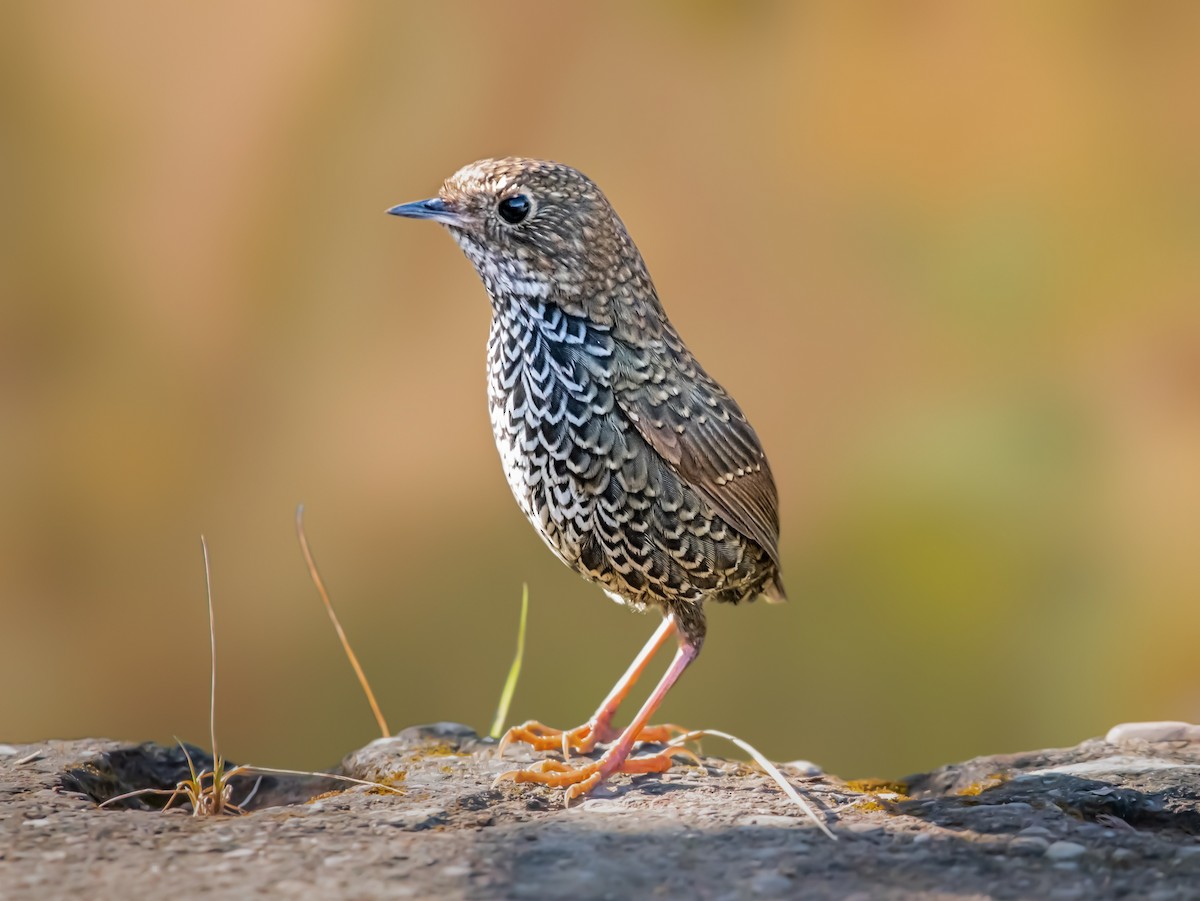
[[1098, 820]]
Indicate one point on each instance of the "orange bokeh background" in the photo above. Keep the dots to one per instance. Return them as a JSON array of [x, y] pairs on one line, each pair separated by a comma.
[[945, 255]]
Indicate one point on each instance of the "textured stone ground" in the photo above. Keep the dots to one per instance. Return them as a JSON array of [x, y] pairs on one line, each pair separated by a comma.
[[1100, 820]]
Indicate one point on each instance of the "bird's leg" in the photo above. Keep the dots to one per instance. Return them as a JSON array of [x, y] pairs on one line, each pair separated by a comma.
[[582, 779], [582, 739]]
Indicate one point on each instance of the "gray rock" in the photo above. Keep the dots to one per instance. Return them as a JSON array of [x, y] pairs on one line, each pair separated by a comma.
[[728, 834]]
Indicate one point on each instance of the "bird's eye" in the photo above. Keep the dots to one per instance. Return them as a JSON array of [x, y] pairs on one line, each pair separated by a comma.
[[515, 210]]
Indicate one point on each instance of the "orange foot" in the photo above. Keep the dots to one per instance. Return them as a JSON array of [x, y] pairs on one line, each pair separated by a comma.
[[579, 780], [582, 739]]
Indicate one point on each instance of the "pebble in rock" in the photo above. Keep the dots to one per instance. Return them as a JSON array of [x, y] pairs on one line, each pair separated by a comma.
[[1125, 855], [1028, 844], [1039, 831], [1065, 851], [1157, 731]]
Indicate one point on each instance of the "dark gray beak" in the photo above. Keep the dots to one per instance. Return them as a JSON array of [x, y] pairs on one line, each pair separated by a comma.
[[435, 209]]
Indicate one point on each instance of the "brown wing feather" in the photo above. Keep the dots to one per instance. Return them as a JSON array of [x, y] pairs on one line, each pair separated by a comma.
[[701, 432]]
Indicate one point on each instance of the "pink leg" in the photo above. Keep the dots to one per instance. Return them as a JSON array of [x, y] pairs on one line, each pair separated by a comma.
[[599, 728], [616, 755], [582, 779], [601, 721]]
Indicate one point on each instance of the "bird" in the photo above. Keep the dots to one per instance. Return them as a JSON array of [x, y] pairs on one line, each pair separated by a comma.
[[634, 465]]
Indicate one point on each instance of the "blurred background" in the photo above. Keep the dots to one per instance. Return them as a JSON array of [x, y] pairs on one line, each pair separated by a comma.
[[945, 255]]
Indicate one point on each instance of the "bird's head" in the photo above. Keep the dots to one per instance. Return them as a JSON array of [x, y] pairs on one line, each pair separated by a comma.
[[538, 229]]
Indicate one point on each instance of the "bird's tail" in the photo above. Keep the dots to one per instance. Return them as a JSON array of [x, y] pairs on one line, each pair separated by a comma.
[[773, 590]]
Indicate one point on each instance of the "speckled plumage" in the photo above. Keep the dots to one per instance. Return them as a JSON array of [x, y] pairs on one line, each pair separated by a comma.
[[636, 468]]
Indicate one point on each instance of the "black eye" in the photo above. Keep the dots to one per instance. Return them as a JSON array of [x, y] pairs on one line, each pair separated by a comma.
[[514, 210]]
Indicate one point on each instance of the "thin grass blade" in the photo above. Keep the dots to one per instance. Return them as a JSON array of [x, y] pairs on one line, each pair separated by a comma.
[[514, 671], [358, 670], [770, 768]]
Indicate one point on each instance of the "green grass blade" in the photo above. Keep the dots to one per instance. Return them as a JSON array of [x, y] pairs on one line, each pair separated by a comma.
[[514, 672], [212, 660]]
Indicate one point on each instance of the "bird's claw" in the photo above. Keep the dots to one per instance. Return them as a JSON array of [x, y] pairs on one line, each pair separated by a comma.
[[580, 740], [579, 780], [540, 737]]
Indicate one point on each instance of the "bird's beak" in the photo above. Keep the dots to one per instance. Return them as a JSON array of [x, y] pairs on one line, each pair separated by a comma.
[[435, 208]]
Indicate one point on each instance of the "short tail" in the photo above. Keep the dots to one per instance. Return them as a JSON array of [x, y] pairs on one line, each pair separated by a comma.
[[773, 590]]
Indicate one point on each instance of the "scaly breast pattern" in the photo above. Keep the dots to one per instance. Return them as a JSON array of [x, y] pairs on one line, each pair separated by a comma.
[[599, 496]]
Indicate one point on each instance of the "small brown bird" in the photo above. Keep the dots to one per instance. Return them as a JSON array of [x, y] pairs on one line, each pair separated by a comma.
[[637, 469]]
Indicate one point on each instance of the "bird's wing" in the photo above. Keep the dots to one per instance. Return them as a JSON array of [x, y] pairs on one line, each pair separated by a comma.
[[702, 433]]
